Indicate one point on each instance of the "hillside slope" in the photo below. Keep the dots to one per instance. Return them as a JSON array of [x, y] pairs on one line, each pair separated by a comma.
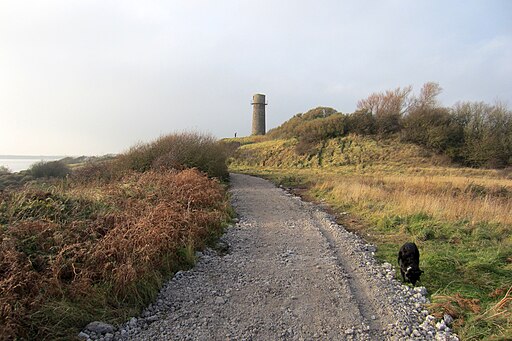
[[350, 151]]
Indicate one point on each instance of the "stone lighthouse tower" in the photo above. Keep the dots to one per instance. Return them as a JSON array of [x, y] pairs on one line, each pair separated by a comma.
[[258, 114]]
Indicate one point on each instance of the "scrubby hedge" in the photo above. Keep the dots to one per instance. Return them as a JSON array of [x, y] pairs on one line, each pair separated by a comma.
[[473, 134], [177, 151], [49, 169]]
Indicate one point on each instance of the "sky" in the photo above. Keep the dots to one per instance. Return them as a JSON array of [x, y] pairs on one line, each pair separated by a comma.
[[91, 77]]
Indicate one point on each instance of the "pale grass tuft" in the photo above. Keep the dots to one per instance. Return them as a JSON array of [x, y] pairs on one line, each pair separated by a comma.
[[502, 308], [449, 198]]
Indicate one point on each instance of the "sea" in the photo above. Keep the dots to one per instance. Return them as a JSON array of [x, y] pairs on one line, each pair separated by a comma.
[[16, 163]]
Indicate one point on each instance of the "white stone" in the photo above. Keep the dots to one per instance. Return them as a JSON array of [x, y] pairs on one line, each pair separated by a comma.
[[447, 319], [83, 335], [99, 327]]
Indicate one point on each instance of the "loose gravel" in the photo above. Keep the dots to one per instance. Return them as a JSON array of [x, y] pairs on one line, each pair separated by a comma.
[[285, 271]]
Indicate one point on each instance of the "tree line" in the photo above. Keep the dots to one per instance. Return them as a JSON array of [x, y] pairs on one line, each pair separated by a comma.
[[475, 134]]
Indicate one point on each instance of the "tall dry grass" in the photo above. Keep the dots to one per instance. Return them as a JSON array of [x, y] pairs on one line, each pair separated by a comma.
[[445, 197]]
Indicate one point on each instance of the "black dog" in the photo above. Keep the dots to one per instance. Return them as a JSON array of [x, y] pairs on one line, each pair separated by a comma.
[[409, 261]]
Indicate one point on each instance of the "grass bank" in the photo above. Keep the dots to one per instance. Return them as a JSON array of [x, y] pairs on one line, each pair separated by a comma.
[[459, 217]]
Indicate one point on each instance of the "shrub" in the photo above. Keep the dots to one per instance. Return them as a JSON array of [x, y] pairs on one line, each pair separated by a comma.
[[177, 151], [388, 108], [434, 128], [487, 133], [301, 123], [309, 129], [4, 170], [322, 128], [361, 122], [230, 147], [14, 180], [49, 169], [94, 171]]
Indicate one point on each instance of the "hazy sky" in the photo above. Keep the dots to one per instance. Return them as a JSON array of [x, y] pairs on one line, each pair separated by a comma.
[[96, 76]]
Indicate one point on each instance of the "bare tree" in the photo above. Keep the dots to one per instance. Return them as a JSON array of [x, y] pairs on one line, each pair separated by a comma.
[[428, 97], [388, 108], [389, 102]]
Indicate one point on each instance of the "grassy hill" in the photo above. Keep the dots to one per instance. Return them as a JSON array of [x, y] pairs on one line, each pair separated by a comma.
[[391, 192], [337, 153]]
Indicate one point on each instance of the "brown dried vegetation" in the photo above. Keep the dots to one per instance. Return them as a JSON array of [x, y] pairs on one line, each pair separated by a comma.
[[461, 308], [86, 250]]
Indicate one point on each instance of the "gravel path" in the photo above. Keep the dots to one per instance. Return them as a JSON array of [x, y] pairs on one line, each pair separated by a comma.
[[291, 273]]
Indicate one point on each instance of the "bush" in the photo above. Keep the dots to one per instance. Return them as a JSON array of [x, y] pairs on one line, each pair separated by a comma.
[[94, 171], [361, 122], [230, 147], [434, 128], [301, 123], [487, 131], [321, 129], [49, 169], [14, 180], [309, 129], [177, 151], [387, 108], [4, 170]]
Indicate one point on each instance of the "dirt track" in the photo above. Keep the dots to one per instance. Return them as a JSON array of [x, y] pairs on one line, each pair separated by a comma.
[[291, 273]]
